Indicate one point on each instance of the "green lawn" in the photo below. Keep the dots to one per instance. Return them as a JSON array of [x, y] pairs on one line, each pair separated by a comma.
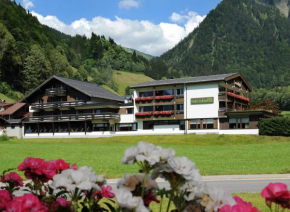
[[213, 154], [124, 79], [286, 113], [6, 98]]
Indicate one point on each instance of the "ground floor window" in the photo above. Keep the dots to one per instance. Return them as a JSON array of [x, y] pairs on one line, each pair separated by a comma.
[[126, 127], [239, 123], [101, 127], [149, 125], [196, 124]]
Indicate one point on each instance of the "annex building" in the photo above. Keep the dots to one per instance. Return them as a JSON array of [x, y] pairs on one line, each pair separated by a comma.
[[62, 107]]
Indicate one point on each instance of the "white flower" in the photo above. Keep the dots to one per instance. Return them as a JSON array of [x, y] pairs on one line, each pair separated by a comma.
[[184, 167], [192, 189], [148, 152], [167, 154], [130, 155], [125, 199], [219, 198], [130, 182], [83, 178]]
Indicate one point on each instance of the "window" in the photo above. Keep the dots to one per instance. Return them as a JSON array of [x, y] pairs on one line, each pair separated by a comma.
[[146, 94], [245, 123], [97, 111], [180, 107], [180, 91], [126, 127], [12, 127], [164, 92], [146, 109], [164, 108], [129, 111], [233, 123], [182, 125], [100, 127], [203, 124], [168, 107], [148, 125]]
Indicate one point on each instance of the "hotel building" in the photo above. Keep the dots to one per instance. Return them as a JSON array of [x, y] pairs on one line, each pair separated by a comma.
[[62, 107]]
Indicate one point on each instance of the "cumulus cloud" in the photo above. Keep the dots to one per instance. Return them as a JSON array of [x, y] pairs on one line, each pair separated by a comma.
[[144, 36], [127, 4], [28, 4]]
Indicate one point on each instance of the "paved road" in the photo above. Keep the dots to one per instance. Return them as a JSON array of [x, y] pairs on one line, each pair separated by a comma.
[[232, 183]]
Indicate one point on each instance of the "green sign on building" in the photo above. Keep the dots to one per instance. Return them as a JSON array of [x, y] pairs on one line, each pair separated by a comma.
[[207, 100]]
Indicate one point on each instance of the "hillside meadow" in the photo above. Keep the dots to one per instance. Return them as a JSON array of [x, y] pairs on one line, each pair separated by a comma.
[[213, 154]]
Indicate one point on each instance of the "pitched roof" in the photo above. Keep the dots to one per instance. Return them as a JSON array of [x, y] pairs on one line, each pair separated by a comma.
[[12, 109], [90, 89], [188, 80]]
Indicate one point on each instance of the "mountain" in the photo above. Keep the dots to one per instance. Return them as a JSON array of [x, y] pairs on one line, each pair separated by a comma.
[[247, 36], [147, 56], [31, 52]]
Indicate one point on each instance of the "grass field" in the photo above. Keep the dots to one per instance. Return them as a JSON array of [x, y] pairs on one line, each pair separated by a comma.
[[286, 113], [213, 154], [6, 98], [124, 79]]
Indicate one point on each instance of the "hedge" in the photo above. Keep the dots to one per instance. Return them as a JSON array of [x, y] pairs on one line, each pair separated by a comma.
[[277, 126]]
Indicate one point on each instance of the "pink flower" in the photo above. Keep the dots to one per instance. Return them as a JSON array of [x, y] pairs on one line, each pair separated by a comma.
[[277, 193], [241, 206], [148, 198], [32, 167], [26, 203], [61, 203], [105, 193], [61, 165], [49, 169], [74, 167], [4, 198], [12, 177]]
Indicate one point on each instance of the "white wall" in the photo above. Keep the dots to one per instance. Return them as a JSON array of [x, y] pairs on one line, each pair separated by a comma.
[[201, 110], [16, 132], [127, 118]]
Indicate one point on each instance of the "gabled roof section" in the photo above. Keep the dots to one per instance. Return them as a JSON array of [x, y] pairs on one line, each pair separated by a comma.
[[10, 110], [188, 80], [90, 89]]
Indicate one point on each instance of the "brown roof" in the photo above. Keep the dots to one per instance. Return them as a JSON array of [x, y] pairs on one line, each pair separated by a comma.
[[12, 109]]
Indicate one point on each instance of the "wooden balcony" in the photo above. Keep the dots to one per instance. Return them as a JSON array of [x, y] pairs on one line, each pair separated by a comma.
[[49, 105], [55, 92], [160, 99], [72, 117]]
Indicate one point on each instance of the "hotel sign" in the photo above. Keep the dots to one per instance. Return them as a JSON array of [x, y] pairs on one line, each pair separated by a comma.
[[207, 100]]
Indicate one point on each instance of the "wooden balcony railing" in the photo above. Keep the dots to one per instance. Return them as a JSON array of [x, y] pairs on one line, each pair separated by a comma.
[[157, 99], [55, 92], [69, 117], [57, 105]]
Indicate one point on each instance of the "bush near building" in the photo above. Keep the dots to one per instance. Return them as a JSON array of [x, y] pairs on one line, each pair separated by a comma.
[[277, 126]]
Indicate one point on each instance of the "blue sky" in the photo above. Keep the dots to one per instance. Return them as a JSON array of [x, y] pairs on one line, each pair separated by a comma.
[[146, 25]]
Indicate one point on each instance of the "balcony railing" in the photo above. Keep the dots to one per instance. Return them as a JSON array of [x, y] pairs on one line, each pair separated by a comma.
[[156, 99], [69, 117], [55, 92], [57, 105]]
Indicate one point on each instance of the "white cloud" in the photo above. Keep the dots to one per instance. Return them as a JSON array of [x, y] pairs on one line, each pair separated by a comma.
[[28, 4], [144, 36], [127, 4]]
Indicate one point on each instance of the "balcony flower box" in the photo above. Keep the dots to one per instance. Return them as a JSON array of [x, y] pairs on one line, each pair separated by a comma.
[[166, 113], [168, 97], [156, 113], [149, 99], [238, 96], [144, 114], [143, 99], [158, 98], [137, 99]]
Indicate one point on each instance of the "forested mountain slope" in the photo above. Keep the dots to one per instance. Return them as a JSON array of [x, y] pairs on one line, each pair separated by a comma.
[[247, 36], [31, 52]]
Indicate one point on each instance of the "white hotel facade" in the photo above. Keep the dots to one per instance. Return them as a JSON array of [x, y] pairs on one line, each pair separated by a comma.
[[217, 104]]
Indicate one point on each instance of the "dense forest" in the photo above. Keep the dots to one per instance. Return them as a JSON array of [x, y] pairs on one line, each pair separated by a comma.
[[31, 52], [246, 36]]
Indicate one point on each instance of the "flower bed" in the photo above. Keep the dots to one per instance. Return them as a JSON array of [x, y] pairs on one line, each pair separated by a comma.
[[143, 99], [144, 114], [81, 189], [168, 97]]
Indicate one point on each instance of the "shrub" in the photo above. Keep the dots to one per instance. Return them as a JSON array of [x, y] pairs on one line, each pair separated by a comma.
[[4, 137], [277, 126]]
